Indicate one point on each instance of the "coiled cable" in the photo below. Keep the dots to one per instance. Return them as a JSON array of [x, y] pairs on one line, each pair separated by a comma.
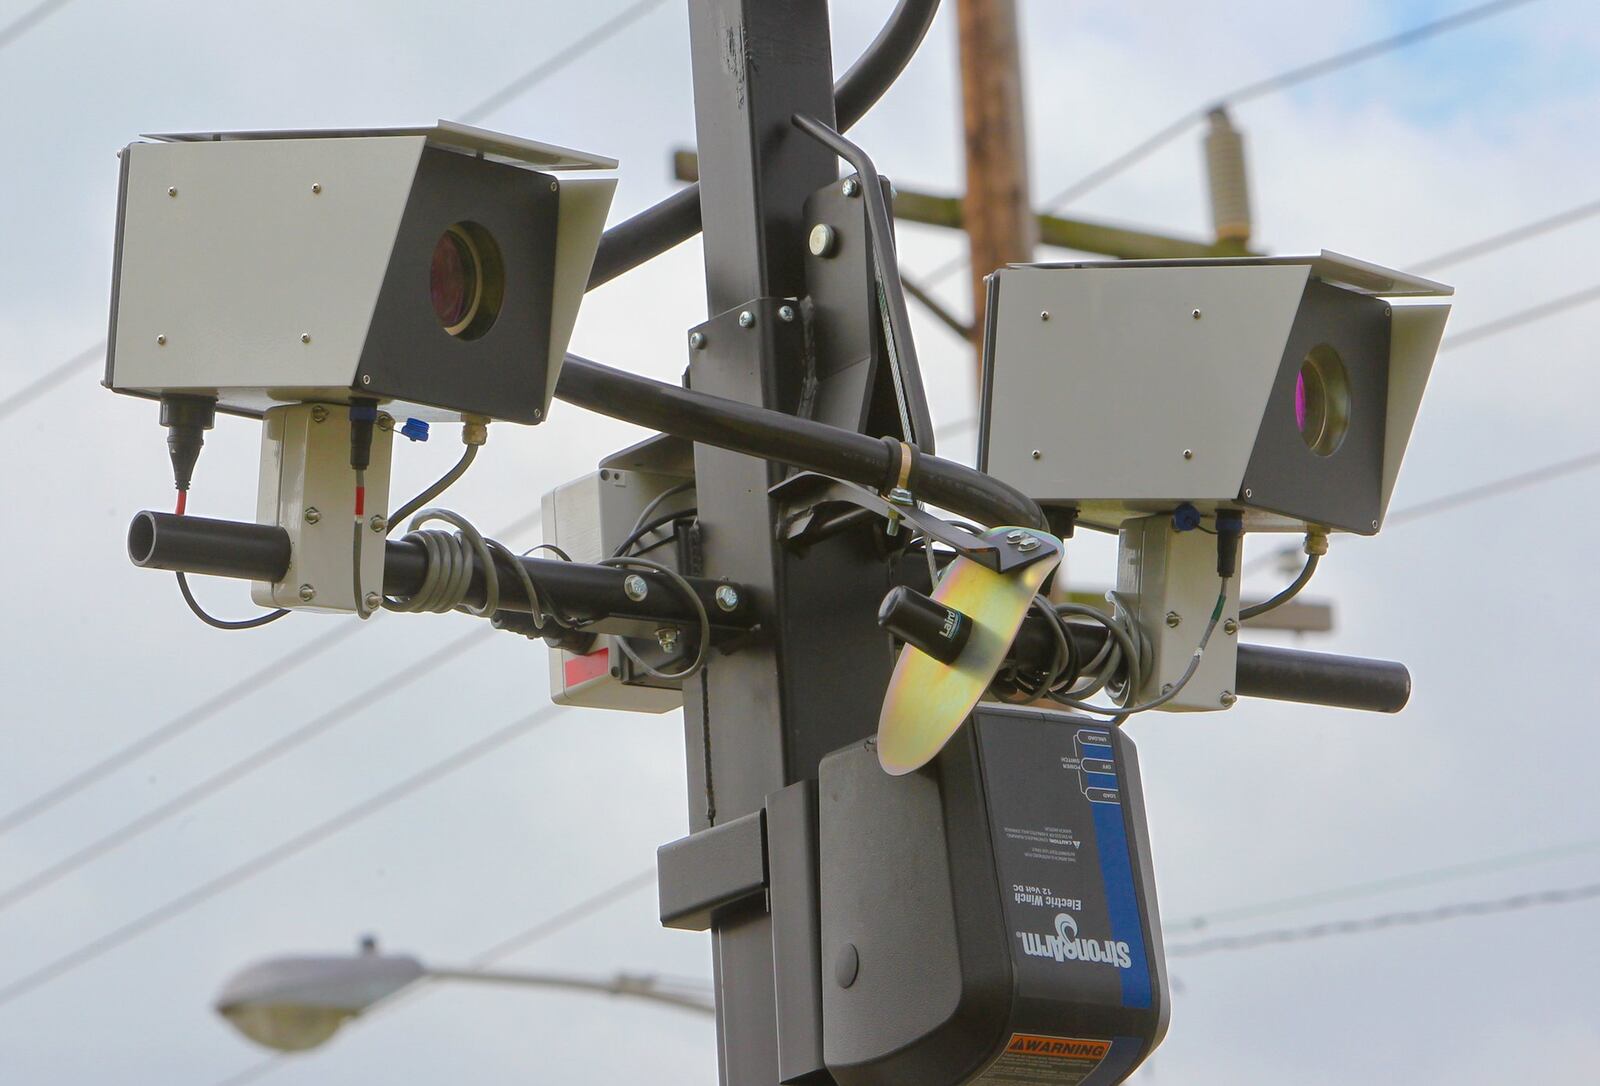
[[450, 561]]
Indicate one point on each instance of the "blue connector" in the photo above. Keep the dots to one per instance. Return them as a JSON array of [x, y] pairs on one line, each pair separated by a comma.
[[415, 429], [1185, 518]]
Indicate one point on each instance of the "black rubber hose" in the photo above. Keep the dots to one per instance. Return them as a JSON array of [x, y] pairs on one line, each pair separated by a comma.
[[677, 218], [789, 439]]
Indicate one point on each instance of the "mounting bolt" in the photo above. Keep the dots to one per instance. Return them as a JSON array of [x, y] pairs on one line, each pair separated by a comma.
[[1374, 526], [697, 340], [786, 313], [747, 319], [1173, 619], [1044, 314], [1188, 454], [366, 378], [635, 587], [1028, 543], [385, 421], [172, 192], [823, 240], [727, 597], [1037, 454], [372, 599], [319, 413], [538, 413], [305, 337], [1228, 699], [1230, 627], [377, 523], [1195, 314], [161, 341], [316, 187], [1016, 535], [312, 515], [1249, 493], [850, 187], [667, 638], [307, 593]]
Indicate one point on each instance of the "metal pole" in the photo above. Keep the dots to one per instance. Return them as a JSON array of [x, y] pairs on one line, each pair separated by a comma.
[[623, 984]]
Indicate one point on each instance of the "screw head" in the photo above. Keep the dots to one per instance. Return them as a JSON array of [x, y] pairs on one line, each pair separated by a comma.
[[1374, 526], [555, 186], [312, 515], [697, 340], [366, 378], [635, 587], [307, 593], [1016, 535], [1037, 453], [1173, 620], [377, 523], [727, 597], [305, 337], [161, 341], [1044, 314], [1228, 699], [319, 413], [850, 187], [316, 187], [1230, 627], [747, 319], [538, 413], [786, 313], [1028, 543], [372, 599], [1195, 314], [172, 192], [823, 240], [1188, 454], [1249, 493]]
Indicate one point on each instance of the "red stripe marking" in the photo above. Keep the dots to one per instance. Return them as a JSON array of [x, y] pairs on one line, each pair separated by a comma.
[[581, 669]]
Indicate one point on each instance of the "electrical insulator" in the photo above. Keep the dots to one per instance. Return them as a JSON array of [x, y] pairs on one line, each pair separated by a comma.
[[1225, 174]]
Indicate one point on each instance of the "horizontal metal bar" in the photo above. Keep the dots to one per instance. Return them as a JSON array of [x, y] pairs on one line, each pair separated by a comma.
[[592, 595], [712, 870]]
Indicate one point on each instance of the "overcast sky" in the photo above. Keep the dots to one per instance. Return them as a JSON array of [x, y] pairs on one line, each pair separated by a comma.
[[1393, 161]]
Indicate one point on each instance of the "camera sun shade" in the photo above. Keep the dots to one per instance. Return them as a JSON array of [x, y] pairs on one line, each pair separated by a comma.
[[1285, 387], [436, 269]]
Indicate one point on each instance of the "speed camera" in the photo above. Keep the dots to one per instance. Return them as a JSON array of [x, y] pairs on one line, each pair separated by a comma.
[[1282, 387], [435, 270]]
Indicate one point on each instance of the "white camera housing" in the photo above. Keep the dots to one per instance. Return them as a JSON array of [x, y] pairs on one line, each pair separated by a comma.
[[268, 268], [1282, 387]]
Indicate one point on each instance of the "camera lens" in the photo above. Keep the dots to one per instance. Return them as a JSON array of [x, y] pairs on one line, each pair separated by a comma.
[[1322, 401], [465, 280]]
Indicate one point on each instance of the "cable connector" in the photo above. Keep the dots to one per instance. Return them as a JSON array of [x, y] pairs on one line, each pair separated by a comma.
[[1316, 541], [1230, 529], [363, 416], [474, 429], [414, 430], [186, 418]]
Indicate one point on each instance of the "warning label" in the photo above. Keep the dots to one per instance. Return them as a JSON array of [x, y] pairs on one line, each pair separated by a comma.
[[1033, 1059]]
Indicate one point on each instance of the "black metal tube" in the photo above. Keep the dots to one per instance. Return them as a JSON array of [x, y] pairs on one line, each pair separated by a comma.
[[789, 439], [1311, 678], [677, 218], [591, 594], [220, 548]]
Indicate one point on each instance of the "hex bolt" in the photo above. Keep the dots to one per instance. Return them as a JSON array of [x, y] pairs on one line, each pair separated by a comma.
[[727, 597], [697, 340], [1173, 619], [786, 313], [377, 523], [372, 599], [851, 187], [1230, 627], [635, 587], [1228, 699], [667, 638], [747, 319], [312, 515], [823, 240], [319, 413], [307, 593], [385, 421]]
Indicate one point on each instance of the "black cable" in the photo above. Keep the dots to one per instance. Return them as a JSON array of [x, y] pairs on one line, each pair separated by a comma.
[[225, 624], [1289, 593], [624, 548], [677, 218], [440, 485]]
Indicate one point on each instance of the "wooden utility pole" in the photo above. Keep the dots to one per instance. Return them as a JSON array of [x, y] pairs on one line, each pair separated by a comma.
[[997, 210]]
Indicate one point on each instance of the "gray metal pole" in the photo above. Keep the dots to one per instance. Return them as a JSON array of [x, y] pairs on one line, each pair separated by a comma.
[[623, 984]]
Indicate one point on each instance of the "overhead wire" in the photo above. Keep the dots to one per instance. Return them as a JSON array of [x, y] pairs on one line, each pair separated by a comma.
[[1455, 910], [264, 861], [551, 925], [29, 19]]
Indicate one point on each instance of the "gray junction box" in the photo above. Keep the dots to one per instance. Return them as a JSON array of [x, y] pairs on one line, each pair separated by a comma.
[[1284, 387], [990, 918]]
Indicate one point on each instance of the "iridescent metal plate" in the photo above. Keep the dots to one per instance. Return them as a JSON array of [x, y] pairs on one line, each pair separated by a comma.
[[926, 700]]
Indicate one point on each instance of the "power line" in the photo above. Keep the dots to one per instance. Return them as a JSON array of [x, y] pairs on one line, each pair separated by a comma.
[[545, 928], [210, 708], [264, 861], [1429, 877], [1383, 921], [554, 63], [40, 385], [29, 19], [1283, 80], [351, 708], [1522, 316], [1557, 221]]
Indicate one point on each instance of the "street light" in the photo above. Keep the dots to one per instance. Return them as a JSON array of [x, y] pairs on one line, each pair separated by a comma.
[[297, 1003]]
